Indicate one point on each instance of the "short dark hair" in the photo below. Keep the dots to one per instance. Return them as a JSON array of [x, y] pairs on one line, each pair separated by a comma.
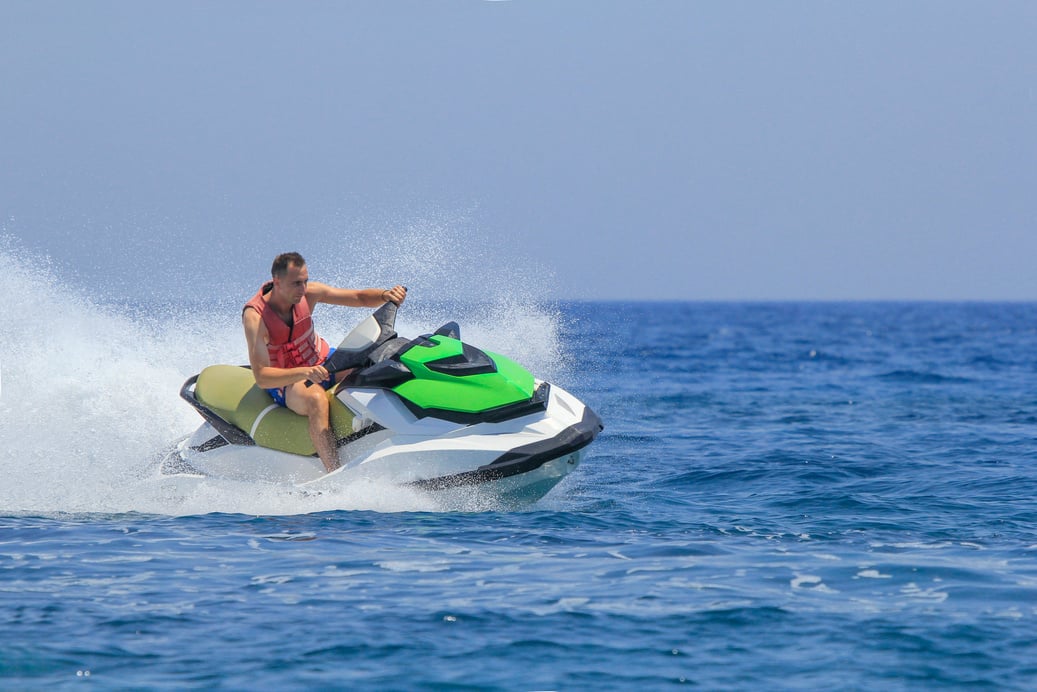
[[282, 262]]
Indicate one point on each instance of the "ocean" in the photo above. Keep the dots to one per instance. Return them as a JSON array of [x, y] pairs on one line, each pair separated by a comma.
[[785, 496]]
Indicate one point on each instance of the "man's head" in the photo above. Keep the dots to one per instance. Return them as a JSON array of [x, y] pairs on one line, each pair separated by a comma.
[[290, 276], [285, 260]]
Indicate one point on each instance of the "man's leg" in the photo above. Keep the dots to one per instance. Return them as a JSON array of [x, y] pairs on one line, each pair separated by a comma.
[[312, 402]]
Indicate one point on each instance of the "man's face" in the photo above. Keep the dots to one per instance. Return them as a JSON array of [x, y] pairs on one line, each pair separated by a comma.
[[293, 284]]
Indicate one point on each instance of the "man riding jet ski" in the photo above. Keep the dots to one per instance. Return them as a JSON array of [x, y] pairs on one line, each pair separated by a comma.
[[432, 412], [285, 352]]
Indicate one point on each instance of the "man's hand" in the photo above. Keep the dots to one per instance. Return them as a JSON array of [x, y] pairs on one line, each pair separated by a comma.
[[316, 374], [396, 294]]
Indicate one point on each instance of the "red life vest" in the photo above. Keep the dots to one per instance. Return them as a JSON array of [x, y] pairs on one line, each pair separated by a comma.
[[290, 346]]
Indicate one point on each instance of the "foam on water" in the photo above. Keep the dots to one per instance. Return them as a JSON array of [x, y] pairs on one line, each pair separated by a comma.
[[89, 385]]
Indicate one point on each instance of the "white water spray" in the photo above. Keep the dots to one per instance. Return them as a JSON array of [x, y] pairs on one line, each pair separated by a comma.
[[89, 392]]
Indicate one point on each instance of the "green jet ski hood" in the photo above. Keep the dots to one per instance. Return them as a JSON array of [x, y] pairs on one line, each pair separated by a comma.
[[450, 375]]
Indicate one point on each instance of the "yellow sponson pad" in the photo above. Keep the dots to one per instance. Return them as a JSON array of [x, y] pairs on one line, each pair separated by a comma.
[[231, 391]]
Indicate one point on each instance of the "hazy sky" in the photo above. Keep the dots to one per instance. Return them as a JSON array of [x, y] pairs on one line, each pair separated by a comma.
[[671, 150]]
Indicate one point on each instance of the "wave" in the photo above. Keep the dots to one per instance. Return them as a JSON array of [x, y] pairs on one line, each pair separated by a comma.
[[89, 386], [918, 377]]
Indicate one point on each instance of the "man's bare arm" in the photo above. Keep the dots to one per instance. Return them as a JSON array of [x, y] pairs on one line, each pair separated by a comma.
[[317, 292]]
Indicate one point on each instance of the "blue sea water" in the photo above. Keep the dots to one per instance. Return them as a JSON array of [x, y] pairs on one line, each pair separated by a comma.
[[786, 496]]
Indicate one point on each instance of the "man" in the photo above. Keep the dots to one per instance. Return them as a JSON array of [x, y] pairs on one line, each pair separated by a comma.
[[285, 352]]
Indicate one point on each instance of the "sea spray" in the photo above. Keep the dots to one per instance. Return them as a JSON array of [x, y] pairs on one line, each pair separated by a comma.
[[453, 270], [86, 397]]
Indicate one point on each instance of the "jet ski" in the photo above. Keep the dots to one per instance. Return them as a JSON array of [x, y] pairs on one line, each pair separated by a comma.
[[432, 413]]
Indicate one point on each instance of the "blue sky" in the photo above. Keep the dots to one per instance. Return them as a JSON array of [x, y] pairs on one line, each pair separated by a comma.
[[658, 150]]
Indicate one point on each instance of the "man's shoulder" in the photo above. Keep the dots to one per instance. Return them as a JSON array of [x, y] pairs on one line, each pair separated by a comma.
[[250, 316]]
